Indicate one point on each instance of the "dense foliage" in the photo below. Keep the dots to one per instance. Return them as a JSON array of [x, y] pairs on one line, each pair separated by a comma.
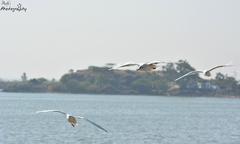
[[101, 80]]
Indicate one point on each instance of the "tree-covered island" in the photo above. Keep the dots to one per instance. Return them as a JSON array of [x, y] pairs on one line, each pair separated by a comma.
[[101, 80]]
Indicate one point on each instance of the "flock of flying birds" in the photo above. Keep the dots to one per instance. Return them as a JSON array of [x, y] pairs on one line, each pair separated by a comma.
[[148, 66], [151, 66]]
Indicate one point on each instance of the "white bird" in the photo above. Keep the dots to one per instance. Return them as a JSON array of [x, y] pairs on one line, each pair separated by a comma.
[[205, 72], [148, 66], [73, 119]]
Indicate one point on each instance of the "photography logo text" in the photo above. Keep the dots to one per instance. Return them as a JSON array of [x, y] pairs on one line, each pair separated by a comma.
[[7, 5]]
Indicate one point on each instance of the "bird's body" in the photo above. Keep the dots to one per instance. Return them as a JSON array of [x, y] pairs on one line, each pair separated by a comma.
[[147, 67], [73, 119], [206, 73]]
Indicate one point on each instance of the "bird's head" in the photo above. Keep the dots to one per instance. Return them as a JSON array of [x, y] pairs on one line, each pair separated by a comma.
[[207, 73]]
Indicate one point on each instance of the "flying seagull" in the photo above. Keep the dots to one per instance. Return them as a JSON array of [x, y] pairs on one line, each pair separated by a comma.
[[148, 66], [73, 119], [205, 72]]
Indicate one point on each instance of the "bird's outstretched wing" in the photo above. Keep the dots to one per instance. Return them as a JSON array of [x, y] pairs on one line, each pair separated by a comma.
[[93, 123], [187, 74], [128, 64], [218, 67], [155, 62], [58, 111], [124, 65]]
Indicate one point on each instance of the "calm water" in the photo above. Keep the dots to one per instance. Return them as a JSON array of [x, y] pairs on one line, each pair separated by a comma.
[[130, 119]]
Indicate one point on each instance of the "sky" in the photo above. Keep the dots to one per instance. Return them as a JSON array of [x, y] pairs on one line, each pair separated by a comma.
[[54, 36]]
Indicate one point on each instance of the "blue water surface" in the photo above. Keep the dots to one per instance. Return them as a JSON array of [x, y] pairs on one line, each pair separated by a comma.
[[129, 119]]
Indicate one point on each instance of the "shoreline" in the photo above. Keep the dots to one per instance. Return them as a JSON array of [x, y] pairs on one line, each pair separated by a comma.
[[100, 94]]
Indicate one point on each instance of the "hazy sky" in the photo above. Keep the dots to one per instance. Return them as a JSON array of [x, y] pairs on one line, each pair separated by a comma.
[[54, 36]]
